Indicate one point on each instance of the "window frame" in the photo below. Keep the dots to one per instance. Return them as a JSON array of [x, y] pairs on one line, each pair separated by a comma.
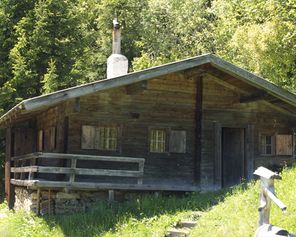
[[100, 148], [274, 151], [96, 137], [166, 130], [263, 146]]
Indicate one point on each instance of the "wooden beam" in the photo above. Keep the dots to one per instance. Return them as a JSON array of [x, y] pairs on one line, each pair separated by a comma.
[[253, 79], [24, 169], [73, 167], [198, 130], [77, 105], [9, 188], [78, 91], [79, 157], [226, 84], [194, 73], [136, 88], [279, 109], [66, 133], [103, 186], [249, 151], [218, 155], [254, 97], [78, 171]]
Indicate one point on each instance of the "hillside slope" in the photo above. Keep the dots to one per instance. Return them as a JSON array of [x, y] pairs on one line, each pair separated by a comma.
[[237, 215], [230, 213]]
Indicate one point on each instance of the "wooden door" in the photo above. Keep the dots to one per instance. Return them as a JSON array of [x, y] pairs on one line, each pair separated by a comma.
[[233, 150]]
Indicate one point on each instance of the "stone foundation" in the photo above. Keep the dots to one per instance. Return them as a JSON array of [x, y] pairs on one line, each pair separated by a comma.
[[58, 203]]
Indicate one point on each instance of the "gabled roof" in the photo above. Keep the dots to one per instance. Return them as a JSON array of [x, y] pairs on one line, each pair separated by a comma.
[[45, 101]]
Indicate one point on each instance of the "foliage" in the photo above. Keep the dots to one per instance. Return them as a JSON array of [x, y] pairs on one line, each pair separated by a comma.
[[260, 36], [174, 30], [49, 45]]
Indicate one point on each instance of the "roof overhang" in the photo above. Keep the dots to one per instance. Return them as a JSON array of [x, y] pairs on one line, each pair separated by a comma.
[[33, 105]]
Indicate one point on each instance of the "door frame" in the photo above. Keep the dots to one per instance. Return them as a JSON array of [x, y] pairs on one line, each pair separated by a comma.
[[248, 151], [241, 135]]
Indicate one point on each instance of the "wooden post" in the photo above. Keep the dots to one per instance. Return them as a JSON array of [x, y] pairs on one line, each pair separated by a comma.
[[141, 169], [198, 130], [73, 166], [218, 155], [111, 196], [267, 195], [249, 151]]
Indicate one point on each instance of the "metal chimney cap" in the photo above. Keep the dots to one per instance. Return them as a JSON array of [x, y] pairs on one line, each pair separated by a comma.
[[266, 173]]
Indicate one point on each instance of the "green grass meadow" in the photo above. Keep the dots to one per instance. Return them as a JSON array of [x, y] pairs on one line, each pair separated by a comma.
[[229, 212]]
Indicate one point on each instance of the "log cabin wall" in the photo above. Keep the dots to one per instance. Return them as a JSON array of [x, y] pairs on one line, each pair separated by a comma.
[[222, 109], [51, 123], [50, 137], [167, 103]]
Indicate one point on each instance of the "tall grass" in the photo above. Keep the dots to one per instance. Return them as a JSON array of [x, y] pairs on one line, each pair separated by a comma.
[[230, 212], [148, 215], [237, 215]]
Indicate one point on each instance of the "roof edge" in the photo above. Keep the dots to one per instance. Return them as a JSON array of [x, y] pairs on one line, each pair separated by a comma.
[[36, 103], [253, 79]]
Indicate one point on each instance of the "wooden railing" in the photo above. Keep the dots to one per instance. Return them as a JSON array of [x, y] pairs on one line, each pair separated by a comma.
[[28, 164]]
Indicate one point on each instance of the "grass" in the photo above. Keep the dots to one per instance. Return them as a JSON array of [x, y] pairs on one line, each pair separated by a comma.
[[224, 213], [237, 215]]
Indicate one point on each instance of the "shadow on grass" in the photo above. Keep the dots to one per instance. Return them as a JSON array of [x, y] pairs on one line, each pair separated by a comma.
[[104, 217]]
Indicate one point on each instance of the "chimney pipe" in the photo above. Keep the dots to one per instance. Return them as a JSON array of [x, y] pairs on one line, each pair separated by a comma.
[[117, 64], [116, 44]]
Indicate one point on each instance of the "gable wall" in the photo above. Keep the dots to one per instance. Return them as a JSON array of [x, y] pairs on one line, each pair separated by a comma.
[[221, 108], [168, 102]]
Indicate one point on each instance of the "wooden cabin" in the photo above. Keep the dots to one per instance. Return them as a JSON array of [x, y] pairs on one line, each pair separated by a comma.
[[201, 123]]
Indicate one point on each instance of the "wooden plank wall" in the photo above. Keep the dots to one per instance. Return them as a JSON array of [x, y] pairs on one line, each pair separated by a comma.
[[222, 108], [52, 121], [46, 121], [167, 102]]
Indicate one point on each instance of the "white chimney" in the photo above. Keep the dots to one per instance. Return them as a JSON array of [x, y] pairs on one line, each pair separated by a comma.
[[117, 64]]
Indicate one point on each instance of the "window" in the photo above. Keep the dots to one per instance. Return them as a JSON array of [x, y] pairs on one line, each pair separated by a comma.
[[163, 140], [158, 140], [100, 138], [279, 144], [107, 138], [266, 145]]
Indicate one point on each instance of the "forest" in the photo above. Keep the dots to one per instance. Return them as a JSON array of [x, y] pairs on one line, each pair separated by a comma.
[[47, 45]]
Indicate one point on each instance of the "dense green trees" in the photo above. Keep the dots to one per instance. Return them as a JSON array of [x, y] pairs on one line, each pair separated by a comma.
[[46, 45], [259, 35]]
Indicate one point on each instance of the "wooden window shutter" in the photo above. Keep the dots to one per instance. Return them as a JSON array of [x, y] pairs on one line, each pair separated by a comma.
[[178, 141], [40, 140], [88, 137], [52, 141], [284, 145]]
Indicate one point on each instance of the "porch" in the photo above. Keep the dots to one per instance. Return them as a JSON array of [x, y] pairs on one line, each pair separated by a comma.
[[59, 171]]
